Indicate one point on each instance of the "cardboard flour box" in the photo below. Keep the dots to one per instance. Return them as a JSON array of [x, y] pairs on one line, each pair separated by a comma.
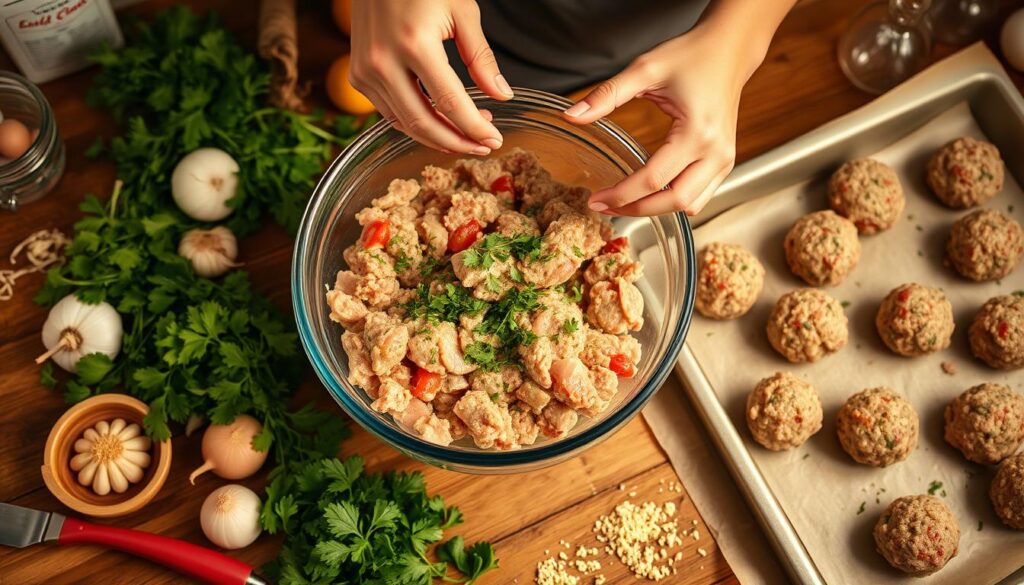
[[51, 38]]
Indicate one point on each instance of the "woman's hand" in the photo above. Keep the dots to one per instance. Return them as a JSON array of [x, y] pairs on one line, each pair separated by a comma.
[[396, 42], [696, 79]]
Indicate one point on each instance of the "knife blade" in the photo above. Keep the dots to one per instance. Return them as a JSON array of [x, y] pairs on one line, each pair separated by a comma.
[[21, 527]]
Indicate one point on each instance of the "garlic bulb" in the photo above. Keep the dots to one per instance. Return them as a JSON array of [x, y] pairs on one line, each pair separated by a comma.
[[230, 516], [202, 183], [74, 329], [111, 456], [212, 252]]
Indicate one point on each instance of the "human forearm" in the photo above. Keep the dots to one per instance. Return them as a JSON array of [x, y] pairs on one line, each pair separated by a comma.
[[745, 28]]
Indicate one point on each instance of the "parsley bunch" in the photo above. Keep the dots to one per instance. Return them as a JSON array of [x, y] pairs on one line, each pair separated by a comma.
[[349, 526], [192, 345], [185, 83]]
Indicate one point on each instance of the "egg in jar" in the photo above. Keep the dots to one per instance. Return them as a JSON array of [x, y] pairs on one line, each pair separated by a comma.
[[15, 138]]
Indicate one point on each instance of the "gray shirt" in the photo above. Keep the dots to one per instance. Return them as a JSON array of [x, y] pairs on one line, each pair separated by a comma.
[[562, 45]]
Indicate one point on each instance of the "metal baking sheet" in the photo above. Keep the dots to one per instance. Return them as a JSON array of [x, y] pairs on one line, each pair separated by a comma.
[[998, 108]]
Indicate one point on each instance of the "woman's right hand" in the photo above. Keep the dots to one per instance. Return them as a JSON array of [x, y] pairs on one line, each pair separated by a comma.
[[396, 42]]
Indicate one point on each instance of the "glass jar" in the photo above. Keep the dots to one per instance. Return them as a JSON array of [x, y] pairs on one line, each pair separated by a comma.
[[36, 172]]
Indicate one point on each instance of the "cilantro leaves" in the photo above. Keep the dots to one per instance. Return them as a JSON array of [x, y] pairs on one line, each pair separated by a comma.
[[449, 305], [360, 527], [499, 247]]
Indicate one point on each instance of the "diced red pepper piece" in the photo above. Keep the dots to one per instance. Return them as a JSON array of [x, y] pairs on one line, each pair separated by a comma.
[[376, 234], [464, 236], [1004, 329], [503, 184], [620, 244], [903, 295], [621, 365], [425, 384]]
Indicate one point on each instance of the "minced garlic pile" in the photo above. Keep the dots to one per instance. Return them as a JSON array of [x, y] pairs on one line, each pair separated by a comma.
[[43, 249], [641, 536]]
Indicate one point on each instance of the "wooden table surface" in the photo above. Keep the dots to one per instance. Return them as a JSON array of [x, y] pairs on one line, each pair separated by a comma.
[[797, 89]]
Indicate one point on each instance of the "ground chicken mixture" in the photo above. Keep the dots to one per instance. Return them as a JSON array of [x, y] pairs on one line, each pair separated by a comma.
[[822, 248], [997, 332], [783, 411], [729, 278], [868, 193], [917, 534], [807, 325], [985, 244], [877, 427], [486, 301], [966, 172], [1007, 491], [915, 320], [986, 423]]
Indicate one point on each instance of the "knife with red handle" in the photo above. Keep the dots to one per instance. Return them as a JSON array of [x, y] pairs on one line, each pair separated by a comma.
[[21, 527]]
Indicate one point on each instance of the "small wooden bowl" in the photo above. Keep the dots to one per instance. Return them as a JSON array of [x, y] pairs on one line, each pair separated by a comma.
[[62, 481]]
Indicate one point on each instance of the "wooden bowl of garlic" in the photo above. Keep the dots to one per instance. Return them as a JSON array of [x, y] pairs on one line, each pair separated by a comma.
[[98, 461]]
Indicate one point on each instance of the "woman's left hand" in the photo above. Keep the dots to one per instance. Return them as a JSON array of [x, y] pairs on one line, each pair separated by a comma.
[[696, 79]]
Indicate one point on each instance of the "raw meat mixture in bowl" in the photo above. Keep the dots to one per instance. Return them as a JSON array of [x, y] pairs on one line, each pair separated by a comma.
[[487, 301], [474, 313]]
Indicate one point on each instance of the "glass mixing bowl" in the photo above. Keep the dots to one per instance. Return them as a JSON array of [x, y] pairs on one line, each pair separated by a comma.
[[594, 155]]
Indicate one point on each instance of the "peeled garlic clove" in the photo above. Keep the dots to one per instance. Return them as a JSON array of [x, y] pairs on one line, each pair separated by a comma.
[[116, 426], [130, 432], [101, 483], [88, 473], [140, 458], [83, 445], [131, 471], [90, 434], [103, 428], [136, 444], [78, 462], [118, 482]]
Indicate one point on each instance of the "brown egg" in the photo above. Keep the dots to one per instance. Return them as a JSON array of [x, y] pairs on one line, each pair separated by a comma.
[[15, 138]]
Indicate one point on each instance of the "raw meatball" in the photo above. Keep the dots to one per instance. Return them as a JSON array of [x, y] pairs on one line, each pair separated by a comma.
[[965, 173], [997, 332], [986, 423], [985, 244], [728, 282], [915, 320], [877, 427], [868, 193], [806, 325], [1007, 492], [917, 534], [783, 411], [822, 248]]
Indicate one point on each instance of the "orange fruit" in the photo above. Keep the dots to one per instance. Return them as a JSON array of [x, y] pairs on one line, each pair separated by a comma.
[[342, 12], [341, 92]]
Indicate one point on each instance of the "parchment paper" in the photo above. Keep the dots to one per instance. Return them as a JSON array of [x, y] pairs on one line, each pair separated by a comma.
[[820, 488]]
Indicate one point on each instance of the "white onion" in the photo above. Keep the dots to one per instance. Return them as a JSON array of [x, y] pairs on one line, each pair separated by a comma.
[[203, 182]]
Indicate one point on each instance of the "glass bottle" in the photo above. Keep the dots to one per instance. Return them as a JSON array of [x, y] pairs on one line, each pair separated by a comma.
[[959, 22], [886, 43]]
